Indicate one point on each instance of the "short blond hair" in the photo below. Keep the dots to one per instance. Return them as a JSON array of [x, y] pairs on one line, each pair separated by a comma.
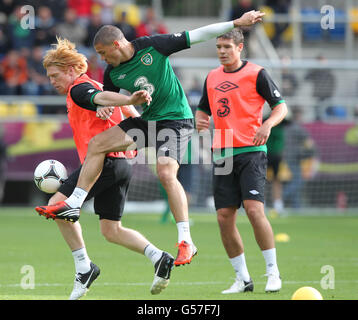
[[64, 55]]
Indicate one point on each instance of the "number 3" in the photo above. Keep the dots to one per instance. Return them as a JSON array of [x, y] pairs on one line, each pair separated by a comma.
[[143, 84]]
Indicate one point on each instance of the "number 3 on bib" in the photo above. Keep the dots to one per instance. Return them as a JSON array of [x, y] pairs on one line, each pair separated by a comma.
[[143, 84]]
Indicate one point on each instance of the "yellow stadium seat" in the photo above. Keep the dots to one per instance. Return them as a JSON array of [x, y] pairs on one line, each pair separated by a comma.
[[13, 110], [23, 109], [96, 9], [27, 109], [284, 173], [4, 109], [353, 14], [288, 34], [133, 13], [309, 168], [269, 27]]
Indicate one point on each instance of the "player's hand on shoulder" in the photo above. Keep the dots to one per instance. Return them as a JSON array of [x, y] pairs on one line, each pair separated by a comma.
[[104, 113], [139, 97], [249, 18]]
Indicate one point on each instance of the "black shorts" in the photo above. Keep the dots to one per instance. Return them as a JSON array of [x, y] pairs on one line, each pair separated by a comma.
[[170, 138], [273, 161], [245, 182], [109, 191]]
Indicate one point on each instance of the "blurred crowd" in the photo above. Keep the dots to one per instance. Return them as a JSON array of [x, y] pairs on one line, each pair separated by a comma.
[[22, 49]]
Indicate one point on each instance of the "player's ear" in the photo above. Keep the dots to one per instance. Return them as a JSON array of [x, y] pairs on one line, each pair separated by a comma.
[[240, 46], [116, 44], [71, 70]]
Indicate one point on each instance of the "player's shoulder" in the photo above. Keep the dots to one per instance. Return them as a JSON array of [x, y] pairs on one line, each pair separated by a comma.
[[215, 74], [108, 70], [166, 44], [81, 88], [142, 43], [253, 66]]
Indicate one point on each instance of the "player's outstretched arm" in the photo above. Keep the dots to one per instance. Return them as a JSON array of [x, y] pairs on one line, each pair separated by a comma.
[[109, 98], [213, 30], [249, 18]]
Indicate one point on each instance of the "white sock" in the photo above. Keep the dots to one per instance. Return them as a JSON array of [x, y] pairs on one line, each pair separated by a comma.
[[77, 198], [270, 259], [152, 253], [239, 265], [82, 261], [278, 205], [184, 232]]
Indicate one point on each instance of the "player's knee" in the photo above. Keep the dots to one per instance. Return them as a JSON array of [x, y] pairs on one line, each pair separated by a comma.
[[110, 233], [166, 175], [109, 236], [225, 216], [255, 214], [222, 220], [95, 145], [113, 232]]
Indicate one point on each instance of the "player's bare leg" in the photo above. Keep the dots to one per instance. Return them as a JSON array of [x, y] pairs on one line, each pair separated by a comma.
[[111, 140], [86, 271], [167, 169], [162, 261], [71, 232], [230, 235], [114, 232], [262, 227], [265, 239], [277, 196], [234, 248]]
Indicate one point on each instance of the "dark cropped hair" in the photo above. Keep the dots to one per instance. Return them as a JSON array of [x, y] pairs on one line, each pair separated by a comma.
[[235, 34], [107, 34]]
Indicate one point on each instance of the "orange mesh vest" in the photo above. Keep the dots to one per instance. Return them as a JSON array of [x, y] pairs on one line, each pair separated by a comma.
[[236, 105], [86, 125]]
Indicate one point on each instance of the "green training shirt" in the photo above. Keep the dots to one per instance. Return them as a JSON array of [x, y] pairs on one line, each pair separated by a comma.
[[150, 69]]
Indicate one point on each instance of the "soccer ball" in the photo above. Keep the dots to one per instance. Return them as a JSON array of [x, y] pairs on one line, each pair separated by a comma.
[[49, 175], [307, 293]]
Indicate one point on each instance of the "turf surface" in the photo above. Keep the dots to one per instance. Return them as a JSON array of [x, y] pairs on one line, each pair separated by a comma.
[[29, 240]]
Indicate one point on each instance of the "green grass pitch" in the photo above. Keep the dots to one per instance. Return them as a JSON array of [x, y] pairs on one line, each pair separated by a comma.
[[315, 242]]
